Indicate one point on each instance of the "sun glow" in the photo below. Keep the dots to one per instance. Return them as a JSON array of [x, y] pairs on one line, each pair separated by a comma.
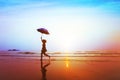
[[65, 39]]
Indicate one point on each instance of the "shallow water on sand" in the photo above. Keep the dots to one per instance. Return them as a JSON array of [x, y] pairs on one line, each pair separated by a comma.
[[27, 67]]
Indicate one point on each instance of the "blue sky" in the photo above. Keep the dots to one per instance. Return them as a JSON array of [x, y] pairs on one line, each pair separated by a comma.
[[74, 24]]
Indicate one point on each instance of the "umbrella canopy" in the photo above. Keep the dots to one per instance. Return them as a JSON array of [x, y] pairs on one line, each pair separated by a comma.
[[43, 31]]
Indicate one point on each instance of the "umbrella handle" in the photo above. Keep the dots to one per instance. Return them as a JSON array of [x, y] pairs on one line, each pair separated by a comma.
[[41, 36]]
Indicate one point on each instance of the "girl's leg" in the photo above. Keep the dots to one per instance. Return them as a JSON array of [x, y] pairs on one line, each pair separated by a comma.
[[46, 55]]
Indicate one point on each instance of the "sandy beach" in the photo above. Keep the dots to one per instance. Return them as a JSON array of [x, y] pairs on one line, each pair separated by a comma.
[[15, 66]]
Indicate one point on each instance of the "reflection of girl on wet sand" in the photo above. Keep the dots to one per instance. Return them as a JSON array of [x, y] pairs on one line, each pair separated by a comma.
[[44, 50], [44, 70]]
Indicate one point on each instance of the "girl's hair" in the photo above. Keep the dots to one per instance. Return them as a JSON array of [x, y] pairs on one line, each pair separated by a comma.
[[44, 41]]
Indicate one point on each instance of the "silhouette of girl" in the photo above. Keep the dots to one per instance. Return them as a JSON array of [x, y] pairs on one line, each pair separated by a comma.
[[44, 50]]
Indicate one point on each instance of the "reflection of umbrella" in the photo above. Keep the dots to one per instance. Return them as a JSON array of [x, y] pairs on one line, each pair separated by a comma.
[[43, 31]]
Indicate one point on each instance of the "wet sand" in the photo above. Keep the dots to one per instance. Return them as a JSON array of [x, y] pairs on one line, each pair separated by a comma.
[[23, 68]]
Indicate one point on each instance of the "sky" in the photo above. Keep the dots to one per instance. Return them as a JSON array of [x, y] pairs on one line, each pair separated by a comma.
[[74, 25]]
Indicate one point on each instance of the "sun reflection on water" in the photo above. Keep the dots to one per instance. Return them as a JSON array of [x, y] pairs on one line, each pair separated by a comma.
[[67, 61], [67, 64]]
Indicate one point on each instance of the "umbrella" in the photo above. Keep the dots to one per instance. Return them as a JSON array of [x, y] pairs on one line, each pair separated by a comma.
[[43, 31]]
